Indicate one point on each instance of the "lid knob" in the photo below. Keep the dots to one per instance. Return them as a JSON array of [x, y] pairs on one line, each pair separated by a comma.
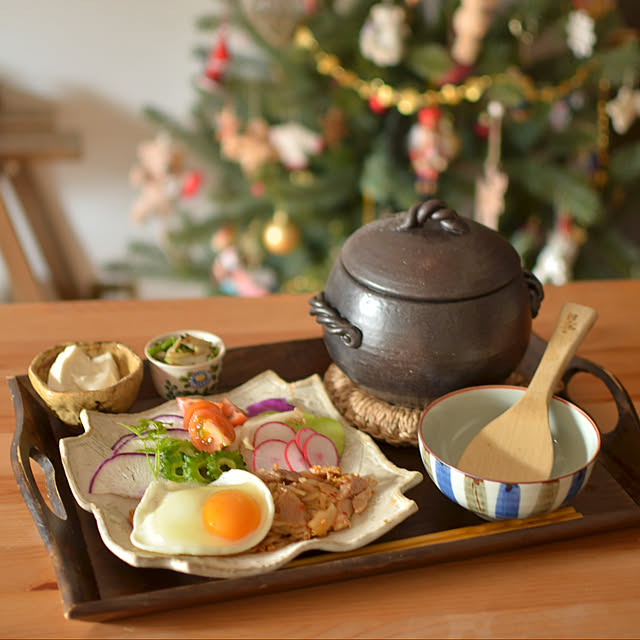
[[421, 212]]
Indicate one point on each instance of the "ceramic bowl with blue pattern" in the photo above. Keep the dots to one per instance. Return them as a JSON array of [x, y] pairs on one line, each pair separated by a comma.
[[449, 423], [194, 368]]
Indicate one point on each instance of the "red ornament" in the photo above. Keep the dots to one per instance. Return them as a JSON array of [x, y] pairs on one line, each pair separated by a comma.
[[191, 184], [258, 189], [376, 106], [218, 58], [455, 75], [429, 117]]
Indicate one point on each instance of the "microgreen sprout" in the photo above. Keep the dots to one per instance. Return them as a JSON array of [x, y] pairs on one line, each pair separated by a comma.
[[150, 433]]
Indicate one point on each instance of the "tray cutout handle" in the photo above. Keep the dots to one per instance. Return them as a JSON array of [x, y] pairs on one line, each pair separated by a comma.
[[620, 450], [56, 520], [39, 473]]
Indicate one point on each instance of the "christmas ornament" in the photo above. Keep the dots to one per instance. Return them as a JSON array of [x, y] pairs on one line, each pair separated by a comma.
[[492, 186], [581, 33], [251, 149], [624, 108], [471, 21], [294, 143], [158, 174], [383, 33], [191, 183], [231, 270], [281, 236], [555, 261], [560, 115], [275, 20], [235, 279], [217, 63], [432, 144]]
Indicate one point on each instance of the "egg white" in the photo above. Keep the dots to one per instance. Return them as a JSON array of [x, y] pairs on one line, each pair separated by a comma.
[[168, 519]]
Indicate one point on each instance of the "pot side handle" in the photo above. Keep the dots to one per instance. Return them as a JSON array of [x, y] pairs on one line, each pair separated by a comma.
[[333, 322], [420, 212], [536, 292]]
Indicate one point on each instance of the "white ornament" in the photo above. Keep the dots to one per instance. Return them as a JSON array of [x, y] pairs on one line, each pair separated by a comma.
[[555, 261], [490, 191], [471, 21], [624, 109], [492, 186], [382, 35], [581, 33], [294, 143]]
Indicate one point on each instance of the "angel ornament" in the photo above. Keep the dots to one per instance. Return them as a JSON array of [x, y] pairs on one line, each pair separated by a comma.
[[383, 34], [158, 173], [624, 108]]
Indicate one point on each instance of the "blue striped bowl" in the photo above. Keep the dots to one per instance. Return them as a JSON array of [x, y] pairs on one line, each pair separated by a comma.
[[449, 423]]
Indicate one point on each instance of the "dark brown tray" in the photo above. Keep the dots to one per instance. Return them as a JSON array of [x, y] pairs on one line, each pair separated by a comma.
[[96, 585]]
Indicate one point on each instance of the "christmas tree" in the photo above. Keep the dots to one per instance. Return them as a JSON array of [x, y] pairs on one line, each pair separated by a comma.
[[522, 115]]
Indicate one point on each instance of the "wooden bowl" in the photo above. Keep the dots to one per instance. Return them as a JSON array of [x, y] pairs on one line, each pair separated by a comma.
[[67, 405]]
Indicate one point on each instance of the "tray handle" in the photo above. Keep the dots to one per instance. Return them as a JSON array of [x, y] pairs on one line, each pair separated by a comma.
[[620, 450], [57, 521]]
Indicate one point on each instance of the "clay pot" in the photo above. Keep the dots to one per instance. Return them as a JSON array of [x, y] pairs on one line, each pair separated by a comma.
[[424, 302]]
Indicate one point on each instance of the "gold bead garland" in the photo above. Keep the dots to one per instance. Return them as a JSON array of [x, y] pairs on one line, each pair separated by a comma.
[[408, 100]]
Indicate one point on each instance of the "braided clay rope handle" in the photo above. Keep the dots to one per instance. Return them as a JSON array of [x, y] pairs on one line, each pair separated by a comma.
[[420, 212], [334, 323]]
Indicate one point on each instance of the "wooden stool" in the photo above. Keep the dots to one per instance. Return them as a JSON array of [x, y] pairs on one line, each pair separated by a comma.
[[28, 137]]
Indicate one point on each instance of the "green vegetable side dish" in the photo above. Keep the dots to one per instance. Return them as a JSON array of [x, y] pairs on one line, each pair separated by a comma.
[[183, 349], [178, 460]]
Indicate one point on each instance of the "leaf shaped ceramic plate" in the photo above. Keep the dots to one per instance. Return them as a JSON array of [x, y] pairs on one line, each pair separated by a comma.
[[81, 456]]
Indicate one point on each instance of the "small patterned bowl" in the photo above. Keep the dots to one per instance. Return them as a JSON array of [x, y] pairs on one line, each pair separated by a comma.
[[172, 380], [449, 423]]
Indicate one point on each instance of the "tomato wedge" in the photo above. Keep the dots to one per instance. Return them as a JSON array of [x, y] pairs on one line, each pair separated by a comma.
[[236, 415], [189, 405], [210, 430]]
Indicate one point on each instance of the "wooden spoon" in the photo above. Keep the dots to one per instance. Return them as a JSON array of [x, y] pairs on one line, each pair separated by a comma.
[[517, 445]]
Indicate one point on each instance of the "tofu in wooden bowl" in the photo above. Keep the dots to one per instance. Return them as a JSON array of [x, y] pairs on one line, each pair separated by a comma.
[[100, 376]]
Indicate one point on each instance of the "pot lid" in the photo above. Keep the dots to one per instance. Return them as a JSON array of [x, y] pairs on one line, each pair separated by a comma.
[[430, 253]]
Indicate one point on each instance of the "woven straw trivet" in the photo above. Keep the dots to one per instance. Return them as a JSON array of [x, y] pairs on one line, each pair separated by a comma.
[[382, 420]]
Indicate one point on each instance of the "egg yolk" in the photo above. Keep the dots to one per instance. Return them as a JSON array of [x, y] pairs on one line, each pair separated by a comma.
[[231, 514]]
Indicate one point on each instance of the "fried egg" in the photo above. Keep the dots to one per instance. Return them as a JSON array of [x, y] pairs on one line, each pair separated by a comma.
[[227, 516]]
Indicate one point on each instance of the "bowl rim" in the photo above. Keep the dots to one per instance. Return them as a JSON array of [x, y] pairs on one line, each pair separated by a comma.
[[564, 401], [216, 339], [32, 369]]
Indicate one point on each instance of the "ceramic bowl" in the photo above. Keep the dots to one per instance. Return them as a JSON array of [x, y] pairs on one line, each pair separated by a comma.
[[171, 380], [449, 423], [67, 405]]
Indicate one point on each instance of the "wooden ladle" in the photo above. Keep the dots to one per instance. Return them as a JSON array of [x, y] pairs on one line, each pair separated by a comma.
[[517, 446]]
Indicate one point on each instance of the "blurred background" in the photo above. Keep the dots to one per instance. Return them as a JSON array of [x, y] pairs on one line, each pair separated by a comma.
[[214, 147]]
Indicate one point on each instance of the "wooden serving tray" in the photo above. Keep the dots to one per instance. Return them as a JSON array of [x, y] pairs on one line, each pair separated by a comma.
[[96, 585]]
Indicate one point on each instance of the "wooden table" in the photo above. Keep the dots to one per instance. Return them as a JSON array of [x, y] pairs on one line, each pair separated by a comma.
[[582, 588]]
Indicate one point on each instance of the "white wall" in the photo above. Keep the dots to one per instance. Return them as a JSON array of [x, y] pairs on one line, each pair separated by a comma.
[[99, 62]]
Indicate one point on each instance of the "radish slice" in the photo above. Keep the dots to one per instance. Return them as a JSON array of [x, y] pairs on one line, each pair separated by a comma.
[[122, 439], [294, 457], [303, 435], [268, 454], [123, 474], [319, 450], [135, 443], [273, 431]]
